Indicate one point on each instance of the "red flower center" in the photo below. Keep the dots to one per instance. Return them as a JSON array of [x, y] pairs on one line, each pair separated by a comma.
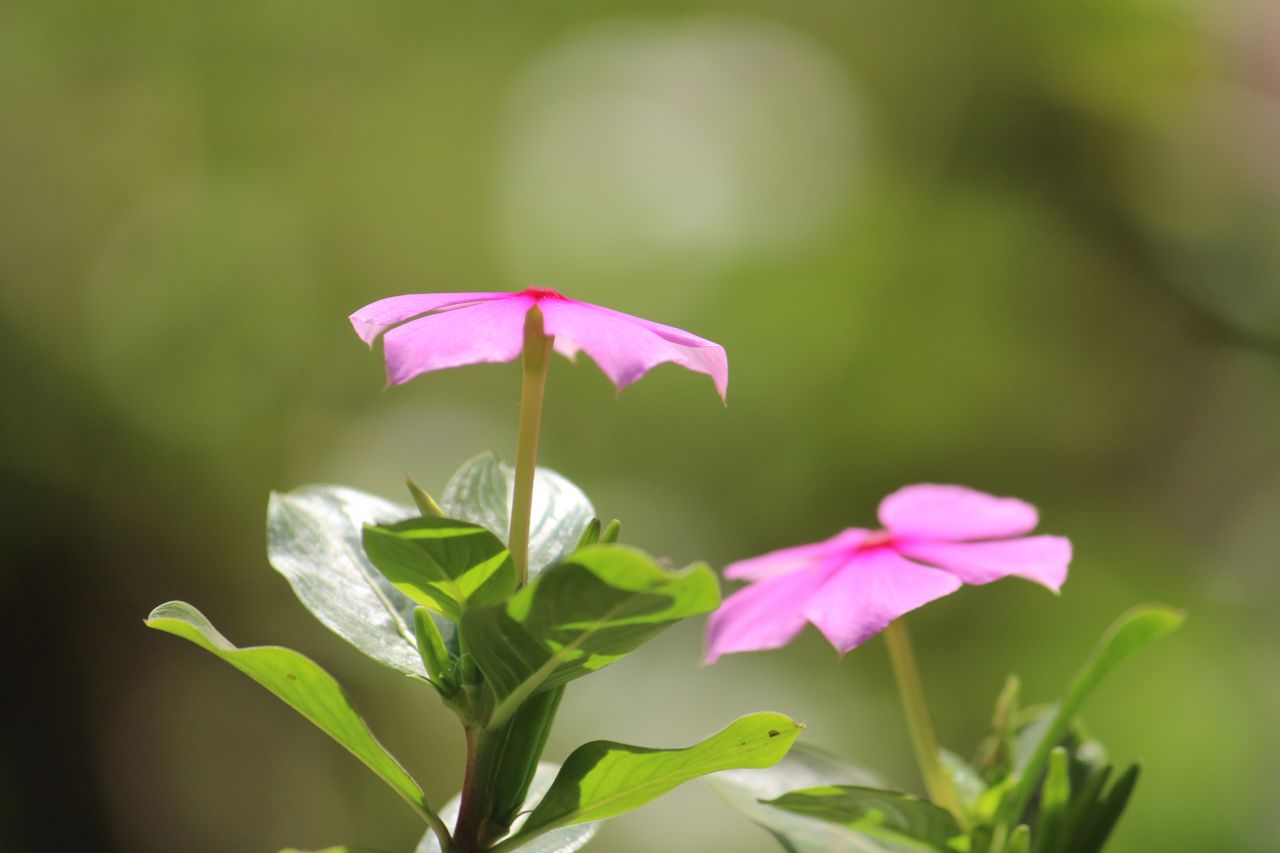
[[541, 293], [876, 539]]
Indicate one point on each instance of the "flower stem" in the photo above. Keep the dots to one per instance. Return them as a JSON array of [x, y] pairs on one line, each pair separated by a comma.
[[919, 723], [537, 357]]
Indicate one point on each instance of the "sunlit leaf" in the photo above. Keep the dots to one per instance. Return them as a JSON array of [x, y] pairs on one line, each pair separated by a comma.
[[481, 490], [582, 614], [300, 683], [441, 563], [314, 539], [602, 779]]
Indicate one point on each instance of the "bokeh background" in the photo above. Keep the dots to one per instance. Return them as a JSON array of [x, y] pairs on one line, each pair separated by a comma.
[[1030, 247]]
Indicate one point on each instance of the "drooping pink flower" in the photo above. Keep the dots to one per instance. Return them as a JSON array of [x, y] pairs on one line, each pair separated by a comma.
[[432, 331], [851, 586]]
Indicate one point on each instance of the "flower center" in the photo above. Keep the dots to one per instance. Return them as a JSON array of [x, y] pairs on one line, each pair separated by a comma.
[[541, 293], [876, 539]]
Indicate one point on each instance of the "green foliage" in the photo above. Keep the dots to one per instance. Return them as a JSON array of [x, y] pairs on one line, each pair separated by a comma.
[[1040, 784], [579, 616], [602, 779], [480, 492], [341, 848], [302, 685], [442, 564], [894, 817], [314, 539]]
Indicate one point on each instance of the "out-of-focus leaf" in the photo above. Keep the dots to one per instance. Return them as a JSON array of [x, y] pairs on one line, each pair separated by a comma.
[[889, 815], [1133, 631], [301, 684], [442, 563], [602, 779], [481, 490], [967, 782], [802, 767], [1055, 795], [341, 848], [582, 614], [566, 839], [314, 539]]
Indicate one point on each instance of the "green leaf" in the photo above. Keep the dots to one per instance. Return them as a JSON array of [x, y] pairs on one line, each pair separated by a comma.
[[1091, 831], [431, 648], [890, 815], [803, 767], [564, 840], [314, 540], [590, 534], [480, 492], [582, 614], [1019, 840], [968, 784], [301, 684], [1055, 795], [442, 564], [1133, 631], [427, 506], [611, 532], [602, 779]]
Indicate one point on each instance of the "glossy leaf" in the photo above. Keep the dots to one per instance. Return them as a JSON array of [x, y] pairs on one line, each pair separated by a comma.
[[564, 840], [1132, 632], [300, 683], [441, 563], [602, 779], [889, 815], [481, 490], [582, 614], [314, 540], [802, 767]]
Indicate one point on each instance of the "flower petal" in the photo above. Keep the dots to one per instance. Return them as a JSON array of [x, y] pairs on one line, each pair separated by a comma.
[[869, 592], [1043, 559], [954, 514], [626, 347], [376, 317], [789, 559], [765, 615], [483, 332]]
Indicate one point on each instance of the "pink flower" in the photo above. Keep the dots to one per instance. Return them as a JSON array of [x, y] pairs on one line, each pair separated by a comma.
[[432, 331], [935, 539]]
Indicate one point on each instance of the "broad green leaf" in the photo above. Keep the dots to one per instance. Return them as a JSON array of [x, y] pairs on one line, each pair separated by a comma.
[[582, 614], [441, 563], [314, 540], [889, 815], [567, 839], [602, 779], [1135, 630], [300, 683], [481, 490], [802, 767]]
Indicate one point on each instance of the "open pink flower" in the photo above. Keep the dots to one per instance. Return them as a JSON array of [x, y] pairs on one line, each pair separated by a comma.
[[935, 539], [433, 331]]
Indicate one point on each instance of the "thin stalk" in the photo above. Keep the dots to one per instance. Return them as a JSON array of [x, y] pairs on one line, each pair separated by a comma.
[[919, 723], [471, 810], [537, 357]]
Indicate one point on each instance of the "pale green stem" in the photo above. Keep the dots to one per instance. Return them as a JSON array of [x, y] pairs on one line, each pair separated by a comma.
[[919, 723], [537, 357]]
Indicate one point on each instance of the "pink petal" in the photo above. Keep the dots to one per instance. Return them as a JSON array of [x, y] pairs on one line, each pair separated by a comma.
[[1043, 559], [376, 317], [765, 615], [954, 513], [789, 559], [627, 347], [491, 331], [869, 592]]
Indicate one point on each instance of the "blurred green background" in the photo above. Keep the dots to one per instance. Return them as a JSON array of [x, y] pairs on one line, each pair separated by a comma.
[[1032, 248]]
